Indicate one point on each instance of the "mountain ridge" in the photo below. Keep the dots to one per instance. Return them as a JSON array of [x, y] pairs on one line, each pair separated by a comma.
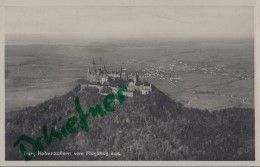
[[151, 127]]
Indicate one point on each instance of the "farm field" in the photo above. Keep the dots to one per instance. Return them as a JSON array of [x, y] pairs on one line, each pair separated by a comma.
[[200, 73]]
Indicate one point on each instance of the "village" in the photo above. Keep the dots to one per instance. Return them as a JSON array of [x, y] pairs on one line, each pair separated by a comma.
[[109, 81]]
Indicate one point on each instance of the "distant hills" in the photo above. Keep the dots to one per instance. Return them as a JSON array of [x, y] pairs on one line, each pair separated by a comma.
[[150, 127]]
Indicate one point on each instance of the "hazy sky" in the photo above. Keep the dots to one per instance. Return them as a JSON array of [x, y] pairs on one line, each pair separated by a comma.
[[127, 21]]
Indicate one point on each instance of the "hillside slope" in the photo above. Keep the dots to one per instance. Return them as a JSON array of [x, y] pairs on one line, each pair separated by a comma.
[[151, 127]]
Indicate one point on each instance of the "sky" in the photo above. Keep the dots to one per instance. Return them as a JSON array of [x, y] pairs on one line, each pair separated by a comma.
[[131, 21]]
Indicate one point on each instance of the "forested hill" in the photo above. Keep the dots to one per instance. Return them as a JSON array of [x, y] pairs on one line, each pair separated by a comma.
[[151, 127]]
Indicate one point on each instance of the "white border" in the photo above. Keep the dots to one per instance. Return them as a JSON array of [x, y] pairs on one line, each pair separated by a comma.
[[4, 3]]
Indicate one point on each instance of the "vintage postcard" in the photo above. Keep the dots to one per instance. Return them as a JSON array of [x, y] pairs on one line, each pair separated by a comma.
[[129, 83]]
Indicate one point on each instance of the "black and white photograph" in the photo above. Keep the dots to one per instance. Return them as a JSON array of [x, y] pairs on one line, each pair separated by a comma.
[[129, 83]]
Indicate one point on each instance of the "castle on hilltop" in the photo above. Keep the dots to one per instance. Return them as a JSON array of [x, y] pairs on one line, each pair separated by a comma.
[[100, 77]]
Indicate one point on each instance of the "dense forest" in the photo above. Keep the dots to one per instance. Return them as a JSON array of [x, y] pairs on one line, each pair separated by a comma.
[[151, 127]]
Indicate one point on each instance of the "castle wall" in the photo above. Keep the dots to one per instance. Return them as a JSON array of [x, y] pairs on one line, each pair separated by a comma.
[[129, 94], [94, 78], [101, 76]]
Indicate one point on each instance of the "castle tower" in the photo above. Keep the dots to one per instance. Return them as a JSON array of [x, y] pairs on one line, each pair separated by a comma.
[[121, 70], [94, 66], [89, 72], [136, 78], [104, 68]]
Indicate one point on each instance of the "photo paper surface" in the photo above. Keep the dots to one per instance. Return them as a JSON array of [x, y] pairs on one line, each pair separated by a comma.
[[131, 83]]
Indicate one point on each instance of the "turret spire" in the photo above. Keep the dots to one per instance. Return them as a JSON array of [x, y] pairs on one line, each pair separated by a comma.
[[94, 66], [121, 70]]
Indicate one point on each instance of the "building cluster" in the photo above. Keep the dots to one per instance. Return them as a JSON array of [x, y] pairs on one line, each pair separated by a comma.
[[103, 76], [100, 77]]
